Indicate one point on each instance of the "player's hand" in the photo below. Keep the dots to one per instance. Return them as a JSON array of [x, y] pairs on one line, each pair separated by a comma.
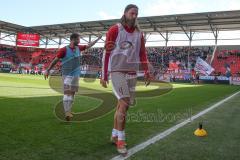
[[147, 79], [99, 36], [46, 73], [103, 83]]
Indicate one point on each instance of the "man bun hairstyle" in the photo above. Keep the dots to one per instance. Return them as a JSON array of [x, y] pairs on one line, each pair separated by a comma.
[[123, 20], [128, 7]]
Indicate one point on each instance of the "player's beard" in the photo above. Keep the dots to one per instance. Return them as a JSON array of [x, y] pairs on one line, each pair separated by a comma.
[[75, 43], [131, 22]]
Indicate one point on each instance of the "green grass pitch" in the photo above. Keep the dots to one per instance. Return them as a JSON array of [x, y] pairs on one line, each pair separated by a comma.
[[30, 129]]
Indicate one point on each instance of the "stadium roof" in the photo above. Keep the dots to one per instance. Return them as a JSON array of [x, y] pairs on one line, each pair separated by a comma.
[[207, 21]]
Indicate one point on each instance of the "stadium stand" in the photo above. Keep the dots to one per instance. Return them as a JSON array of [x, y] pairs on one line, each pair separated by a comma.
[[163, 58]]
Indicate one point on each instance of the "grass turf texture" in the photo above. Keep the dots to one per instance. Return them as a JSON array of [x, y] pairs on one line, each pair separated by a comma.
[[222, 142], [30, 130]]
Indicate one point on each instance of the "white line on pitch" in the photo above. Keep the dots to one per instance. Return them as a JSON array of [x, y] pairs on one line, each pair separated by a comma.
[[167, 132]]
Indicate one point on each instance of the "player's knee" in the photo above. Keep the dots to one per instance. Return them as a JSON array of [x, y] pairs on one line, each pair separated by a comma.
[[125, 102], [69, 92]]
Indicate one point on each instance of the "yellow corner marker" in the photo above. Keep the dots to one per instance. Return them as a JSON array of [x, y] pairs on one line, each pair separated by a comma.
[[200, 132]]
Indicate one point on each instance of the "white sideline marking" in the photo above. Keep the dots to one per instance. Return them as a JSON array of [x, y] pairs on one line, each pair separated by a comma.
[[167, 132]]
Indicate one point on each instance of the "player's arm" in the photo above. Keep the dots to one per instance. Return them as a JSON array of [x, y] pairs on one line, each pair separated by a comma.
[[53, 63], [111, 37], [60, 54], [144, 62], [93, 42]]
